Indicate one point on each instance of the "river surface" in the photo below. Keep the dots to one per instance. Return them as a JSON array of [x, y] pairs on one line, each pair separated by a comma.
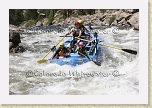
[[117, 75]]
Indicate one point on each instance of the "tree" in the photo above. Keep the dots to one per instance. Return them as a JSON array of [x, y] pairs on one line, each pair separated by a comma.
[[103, 10], [64, 13], [16, 16], [51, 17], [31, 14], [47, 12], [19, 18], [90, 11], [11, 16], [81, 12]]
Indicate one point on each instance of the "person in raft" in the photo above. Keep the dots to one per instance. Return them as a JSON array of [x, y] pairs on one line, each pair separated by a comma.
[[62, 51], [76, 33], [82, 50]]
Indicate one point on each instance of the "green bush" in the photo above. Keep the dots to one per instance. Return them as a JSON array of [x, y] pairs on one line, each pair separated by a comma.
[[112, 19], [64, 13], [103, 10], [30, 23], [81, 12], [31, 14], [51, 17], [75, 15], [16, 15]]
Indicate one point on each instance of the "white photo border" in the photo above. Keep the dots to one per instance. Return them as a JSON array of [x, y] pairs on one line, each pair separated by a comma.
[[142, 98]]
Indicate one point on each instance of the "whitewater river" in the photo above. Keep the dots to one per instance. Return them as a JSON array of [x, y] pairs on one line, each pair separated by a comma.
[[117, 75]]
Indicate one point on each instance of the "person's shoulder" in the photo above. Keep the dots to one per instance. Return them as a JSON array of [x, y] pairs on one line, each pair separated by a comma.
[[72, 28], [58, 49], [76, 48], [82, 25], [65, 48], [84, 47]]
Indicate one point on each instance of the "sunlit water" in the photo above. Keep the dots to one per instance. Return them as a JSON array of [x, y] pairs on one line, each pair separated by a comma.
[[117, 75]]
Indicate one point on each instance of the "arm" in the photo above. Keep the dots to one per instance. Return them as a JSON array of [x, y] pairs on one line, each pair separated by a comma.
[[80, 32], [88, 31], [85, 28], [67, 51], [76, 50], [69, 32], [86, 53], [56, 52]]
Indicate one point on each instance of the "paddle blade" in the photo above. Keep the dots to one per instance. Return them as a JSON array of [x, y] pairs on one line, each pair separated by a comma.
[[41, 61], [53, 48], [97, 63], [130, 51]]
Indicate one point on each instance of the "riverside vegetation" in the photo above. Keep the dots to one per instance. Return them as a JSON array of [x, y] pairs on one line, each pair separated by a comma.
[[66, 17]]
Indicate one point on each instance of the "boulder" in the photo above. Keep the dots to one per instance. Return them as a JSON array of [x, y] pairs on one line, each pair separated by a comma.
[[134, 21], [123, 17], [14, 36], [14, 40], [16, 49]]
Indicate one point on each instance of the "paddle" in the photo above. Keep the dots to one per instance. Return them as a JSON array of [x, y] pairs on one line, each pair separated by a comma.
[[125, 50], [66, 36], [97, 63], [44, 60]]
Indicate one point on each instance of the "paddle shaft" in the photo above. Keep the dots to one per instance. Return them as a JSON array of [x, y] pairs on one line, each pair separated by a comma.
[[85, 55], [90, 59], [66, 36], [126, 50]]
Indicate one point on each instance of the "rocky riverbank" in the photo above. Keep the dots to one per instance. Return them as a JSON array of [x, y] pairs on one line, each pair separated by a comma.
[[14, 40], [121, 18]]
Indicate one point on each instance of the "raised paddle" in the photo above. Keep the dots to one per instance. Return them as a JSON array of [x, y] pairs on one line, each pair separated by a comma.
[[125, 50], [43, 59]]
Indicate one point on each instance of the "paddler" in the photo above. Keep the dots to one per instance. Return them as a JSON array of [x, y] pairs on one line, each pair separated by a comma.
[[76, 32], [62, 51], [82, 50], [84, 29]]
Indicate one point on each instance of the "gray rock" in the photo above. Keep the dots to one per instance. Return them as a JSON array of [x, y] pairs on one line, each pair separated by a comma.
[[124, 17], [14, 40], [134, 21]]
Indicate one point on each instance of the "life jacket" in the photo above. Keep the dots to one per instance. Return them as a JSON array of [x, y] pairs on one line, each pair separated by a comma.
[[62, 52], [83, 51], [82, 28], [76, 32]]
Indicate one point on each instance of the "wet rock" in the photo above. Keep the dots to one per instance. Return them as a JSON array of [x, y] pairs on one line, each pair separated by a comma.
[[14, 40], [131, 10], [17, 49], [14, 36], [114, 23], [134, 21], [11, 45], [102, 18]]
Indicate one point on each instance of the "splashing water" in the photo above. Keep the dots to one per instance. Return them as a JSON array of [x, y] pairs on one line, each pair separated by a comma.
[[118, 73]]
